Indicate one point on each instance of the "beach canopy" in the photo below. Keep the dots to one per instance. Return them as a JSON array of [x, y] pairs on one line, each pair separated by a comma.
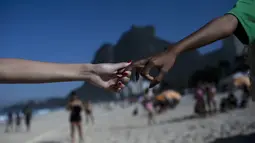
[[237, 79], [242, 80]]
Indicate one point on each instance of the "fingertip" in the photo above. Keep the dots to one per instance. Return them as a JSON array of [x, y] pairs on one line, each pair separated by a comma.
[[126, 73], [120, 84], [125, 79], [128, 63], [148, 77]]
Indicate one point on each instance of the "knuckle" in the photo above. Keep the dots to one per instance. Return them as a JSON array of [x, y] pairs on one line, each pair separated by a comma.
[[152, 62]]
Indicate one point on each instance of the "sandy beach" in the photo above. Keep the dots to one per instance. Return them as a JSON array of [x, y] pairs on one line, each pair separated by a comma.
[[119, 126]]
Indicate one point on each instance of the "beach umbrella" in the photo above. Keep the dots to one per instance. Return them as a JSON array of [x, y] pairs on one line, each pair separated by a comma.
[[168, 94], [171, 94], [235, 80], [160, 97]]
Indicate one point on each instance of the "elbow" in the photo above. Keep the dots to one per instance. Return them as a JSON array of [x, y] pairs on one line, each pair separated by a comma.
[[228, 24]]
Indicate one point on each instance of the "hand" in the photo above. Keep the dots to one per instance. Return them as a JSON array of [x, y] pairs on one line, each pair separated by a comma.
[[163, 62], [109, 76]]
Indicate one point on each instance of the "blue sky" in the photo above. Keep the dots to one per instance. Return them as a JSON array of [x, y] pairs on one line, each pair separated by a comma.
[[72, 30]]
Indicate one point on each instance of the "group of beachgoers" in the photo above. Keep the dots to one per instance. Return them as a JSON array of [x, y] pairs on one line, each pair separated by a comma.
[[75, 106], [205, 97], [206, 104], [15, 118]]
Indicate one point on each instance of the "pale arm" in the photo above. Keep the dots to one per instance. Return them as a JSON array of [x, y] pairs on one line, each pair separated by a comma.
[[25, 71]]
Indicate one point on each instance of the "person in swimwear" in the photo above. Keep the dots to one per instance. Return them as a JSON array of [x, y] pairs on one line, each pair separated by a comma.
[[210, 97], [200, 102], [228, 103], [27, 111], [18, 122], [88, 112], [148, 103], [232, 101], [239, 21], [9, 122], [75, 107], [110, 76]]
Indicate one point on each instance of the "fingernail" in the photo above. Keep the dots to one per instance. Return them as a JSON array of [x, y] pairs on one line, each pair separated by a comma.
[[129, 61], [125, 74]]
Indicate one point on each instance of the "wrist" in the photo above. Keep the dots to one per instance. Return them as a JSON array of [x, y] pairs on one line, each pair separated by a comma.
[[85, 71], [174, 50], [76, 72]]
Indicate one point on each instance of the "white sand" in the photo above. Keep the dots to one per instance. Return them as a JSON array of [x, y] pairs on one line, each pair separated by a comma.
[[119, 126]]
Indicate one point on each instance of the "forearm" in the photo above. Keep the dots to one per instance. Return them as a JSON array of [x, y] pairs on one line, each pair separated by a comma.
[[25, 71], [215, 30]]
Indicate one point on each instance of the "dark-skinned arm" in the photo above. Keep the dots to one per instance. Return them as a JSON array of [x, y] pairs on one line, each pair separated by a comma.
[[216, 29]]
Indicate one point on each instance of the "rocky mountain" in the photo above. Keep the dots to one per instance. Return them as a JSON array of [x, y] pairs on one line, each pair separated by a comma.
[[141, 41], [104, 54], [138, 42]]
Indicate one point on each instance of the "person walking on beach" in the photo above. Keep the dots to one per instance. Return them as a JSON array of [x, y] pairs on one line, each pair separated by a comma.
[[75, 106], [18, 122], [239, 21], [27, 111], [148, 103], [150, 110], [88, 112], [9, 122], [199, 107], [210, 97]]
